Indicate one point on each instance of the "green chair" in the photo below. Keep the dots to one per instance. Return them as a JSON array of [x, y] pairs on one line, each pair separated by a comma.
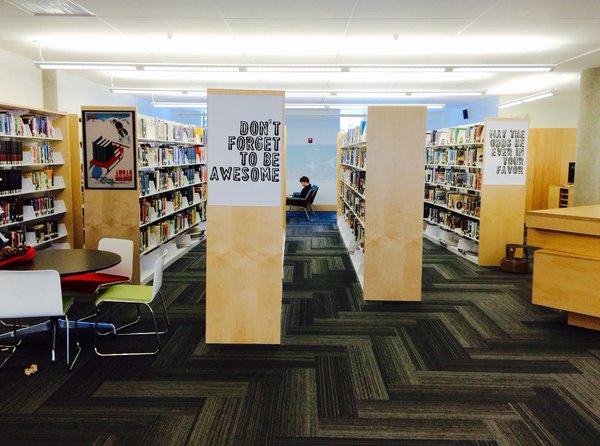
[[138, 295]]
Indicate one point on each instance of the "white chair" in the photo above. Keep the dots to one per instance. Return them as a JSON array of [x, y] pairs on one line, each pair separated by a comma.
[[92, 283], [138, 295], [30, 294]]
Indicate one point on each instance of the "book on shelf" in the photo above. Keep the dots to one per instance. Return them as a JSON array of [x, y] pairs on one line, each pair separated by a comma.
[[11, 181]]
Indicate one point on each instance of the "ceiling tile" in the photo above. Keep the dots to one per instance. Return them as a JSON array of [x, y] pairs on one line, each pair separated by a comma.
[[277, 9], [419, 9], [560, 9]]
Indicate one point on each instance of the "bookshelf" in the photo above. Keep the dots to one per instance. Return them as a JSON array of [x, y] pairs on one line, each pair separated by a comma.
[[380, 201], [560, 196], [35, 193], [462, 213], [169, 202]]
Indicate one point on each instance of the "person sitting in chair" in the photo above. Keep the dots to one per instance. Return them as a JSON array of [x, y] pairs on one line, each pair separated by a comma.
[[306, 188]]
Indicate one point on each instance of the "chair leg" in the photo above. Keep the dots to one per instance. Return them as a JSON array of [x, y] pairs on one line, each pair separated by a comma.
[[155, 333], [128, 324], [307, 216], [54, 324], [71, 363], [312, 209], [12, 348]]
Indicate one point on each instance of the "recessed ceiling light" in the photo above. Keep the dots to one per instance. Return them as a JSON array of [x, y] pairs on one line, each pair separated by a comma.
[[434, 94], [158, 92], [50, 7], [397, 69], [180, 104], [306, 94], [371, 94], [292, 69], [85, 66], [503, 68], [530, 98], [199, 68]]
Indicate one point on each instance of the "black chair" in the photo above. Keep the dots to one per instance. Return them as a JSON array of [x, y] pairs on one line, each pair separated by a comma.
[[300, 202], [312, 198]]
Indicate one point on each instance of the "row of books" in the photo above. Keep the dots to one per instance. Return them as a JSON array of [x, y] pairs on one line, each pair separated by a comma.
[[354, 201], [10, 181], [45, 231], [162, 231], [159, 129], [153, 208], [165, 155], [355, 156], [355, 225], [202, 191], [15, 124], [11, 210], [41, 179], [463, 203], [472, 134], [456, 222], [11, 151], [443, 177], [16, 236], [355, 135], [167, 179], [460, 156], [356, 178]]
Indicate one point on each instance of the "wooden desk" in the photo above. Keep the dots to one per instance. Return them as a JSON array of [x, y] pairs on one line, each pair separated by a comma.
[[566, 273]]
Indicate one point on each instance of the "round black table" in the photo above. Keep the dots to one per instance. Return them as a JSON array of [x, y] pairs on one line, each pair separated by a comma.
[[68, 261]]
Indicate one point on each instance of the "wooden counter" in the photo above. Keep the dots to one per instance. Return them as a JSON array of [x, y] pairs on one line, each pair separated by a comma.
[[566, 273]]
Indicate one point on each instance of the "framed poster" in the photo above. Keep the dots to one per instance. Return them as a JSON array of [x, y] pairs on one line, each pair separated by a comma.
[[109, 149], [245, 134]]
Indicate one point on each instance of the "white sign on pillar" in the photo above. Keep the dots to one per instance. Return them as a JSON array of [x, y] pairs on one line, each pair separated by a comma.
[[505, 152], [245, 136]]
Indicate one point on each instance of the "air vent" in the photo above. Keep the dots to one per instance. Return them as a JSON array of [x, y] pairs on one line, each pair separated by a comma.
[[50, 7]]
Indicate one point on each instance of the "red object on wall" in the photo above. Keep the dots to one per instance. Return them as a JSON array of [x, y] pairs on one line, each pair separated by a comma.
[[310, 140]]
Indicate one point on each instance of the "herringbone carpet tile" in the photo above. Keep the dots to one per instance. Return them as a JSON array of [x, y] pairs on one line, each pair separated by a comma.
[[475, 363]]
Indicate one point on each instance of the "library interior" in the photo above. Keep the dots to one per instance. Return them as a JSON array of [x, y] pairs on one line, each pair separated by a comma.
[[280, 223]]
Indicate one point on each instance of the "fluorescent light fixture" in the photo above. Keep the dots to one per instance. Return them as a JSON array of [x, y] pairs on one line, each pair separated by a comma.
[[199, 68], [306, 94], [293, 69], [180, 104], [503, 68], [371, 94], [349, 106], [535, 97], [397, 69], [530, 98], [158, 92], [307, 106], [433, 94], [85, 66], [50, 7]]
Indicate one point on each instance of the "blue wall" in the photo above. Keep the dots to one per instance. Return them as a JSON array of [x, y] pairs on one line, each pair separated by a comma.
[[317, 160]]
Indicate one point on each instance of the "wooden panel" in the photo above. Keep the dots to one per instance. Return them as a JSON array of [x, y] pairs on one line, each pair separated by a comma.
[[113, 213], [64, 171], [244, 267], [553, 197], [394, 203], [567, 282], [502, 220], [76, 189], [244, 275], [580, 244], [550, 151]]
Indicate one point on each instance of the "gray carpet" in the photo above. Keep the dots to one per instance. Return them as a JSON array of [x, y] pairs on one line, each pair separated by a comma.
[[475, 363]]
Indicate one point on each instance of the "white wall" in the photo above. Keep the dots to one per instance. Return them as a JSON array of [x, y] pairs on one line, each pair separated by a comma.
[[553, 112], [21, 81]]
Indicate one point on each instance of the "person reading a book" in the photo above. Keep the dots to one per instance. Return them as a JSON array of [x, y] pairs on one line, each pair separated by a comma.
[[306, 188]]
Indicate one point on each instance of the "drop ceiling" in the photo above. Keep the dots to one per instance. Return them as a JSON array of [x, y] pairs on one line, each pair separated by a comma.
[[337, 33]]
